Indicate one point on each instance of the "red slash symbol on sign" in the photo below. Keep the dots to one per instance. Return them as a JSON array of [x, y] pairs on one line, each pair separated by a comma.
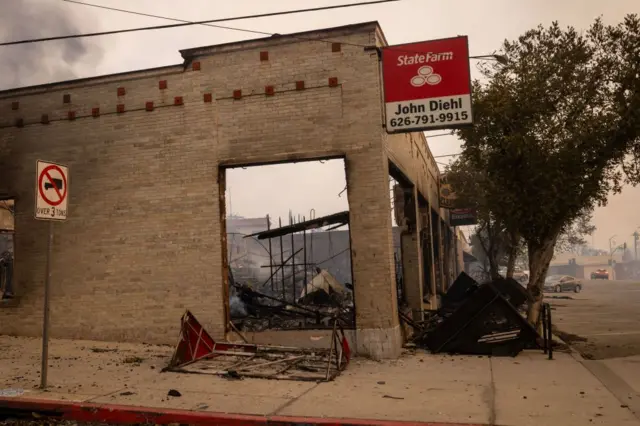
[[45, 181]]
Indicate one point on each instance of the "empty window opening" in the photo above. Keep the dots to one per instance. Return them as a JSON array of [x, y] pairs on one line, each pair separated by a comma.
[[288, 246], [7, 229]]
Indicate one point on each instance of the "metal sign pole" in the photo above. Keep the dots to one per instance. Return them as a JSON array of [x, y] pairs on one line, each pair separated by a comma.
[[45, 323], [52, 198]]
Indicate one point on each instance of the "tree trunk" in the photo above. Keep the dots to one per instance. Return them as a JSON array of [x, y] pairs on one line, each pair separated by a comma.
[[511, 264], [540, 256], [514, 241], [489, 249], [493, 267]]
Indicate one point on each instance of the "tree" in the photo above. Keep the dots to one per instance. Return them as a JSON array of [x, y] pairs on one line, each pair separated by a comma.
[[497, 242], [573, 238], [494, 246], [556, 128]]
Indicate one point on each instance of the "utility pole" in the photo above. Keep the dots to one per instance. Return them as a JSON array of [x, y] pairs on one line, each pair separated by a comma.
[[636, 235], [611, 242]]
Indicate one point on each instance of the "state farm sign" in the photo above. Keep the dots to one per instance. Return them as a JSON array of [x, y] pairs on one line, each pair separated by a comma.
[[427, 85]]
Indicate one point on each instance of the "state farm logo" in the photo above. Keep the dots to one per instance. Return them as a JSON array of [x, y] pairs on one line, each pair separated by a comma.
[[426, 76]]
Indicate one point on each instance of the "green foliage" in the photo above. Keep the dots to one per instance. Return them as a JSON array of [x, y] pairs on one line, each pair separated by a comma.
[[573, 238], [553, 126], [556, 129]]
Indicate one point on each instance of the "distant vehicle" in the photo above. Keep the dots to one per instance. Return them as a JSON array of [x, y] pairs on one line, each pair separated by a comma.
[[600, 274], [560, 283], [518, 274]]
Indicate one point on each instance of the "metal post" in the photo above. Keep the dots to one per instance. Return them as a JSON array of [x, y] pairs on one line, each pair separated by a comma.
[[293, 265], [270, 256], [304, 247], [284, 295], [45, 323], [550, 331], [545, 338]]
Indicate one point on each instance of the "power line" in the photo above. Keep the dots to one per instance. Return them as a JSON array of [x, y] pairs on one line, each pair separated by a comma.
[[185, 24], [498, 58], [166, 18], [224, 27], [494, 57]]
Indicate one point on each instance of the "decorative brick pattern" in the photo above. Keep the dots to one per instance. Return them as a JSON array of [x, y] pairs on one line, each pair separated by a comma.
[[178, 101], [162, 84], [120, 108], [66, 98], [299, 85], [195, 66], [264, 56], [269, 90], [122, 91], [207, 97], [148, 106]]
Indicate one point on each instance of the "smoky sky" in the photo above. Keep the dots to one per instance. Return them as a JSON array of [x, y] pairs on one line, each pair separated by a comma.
[[39, 63]]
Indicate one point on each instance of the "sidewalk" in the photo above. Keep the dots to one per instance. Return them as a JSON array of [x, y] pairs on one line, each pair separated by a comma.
[[419, 387]]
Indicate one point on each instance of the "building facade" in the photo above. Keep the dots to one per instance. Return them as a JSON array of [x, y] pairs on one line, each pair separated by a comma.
[[147, 151]]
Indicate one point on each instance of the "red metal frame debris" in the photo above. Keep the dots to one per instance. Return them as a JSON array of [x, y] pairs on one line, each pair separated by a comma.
[[238, 360]]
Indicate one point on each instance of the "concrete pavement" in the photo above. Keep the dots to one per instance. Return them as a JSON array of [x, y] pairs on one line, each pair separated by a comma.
[[602, 320], [419, 387]]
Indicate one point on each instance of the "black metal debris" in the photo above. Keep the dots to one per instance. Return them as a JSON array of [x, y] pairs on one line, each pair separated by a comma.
[[480, 319]]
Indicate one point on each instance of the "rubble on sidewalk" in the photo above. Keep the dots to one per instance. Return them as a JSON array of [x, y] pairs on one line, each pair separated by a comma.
[[197, 352], [478, 319]]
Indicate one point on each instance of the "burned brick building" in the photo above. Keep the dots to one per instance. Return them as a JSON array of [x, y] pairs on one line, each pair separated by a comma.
[[147, 152]]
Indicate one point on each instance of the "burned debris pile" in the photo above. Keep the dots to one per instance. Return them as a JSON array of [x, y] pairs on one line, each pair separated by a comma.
[[298, 293], [322, 300], [198, 353], [479, 319]]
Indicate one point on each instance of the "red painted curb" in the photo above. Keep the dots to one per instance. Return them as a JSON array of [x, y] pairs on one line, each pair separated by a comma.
[[124, 414]]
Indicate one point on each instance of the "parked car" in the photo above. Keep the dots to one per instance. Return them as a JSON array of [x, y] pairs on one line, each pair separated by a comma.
[[600, 274], [518, 274], [560, 283]]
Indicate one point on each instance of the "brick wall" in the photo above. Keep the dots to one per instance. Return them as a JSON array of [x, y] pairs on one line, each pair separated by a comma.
[[144, 236], [142, 241]]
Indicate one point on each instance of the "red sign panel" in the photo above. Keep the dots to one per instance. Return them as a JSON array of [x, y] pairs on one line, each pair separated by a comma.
[[427, 85]]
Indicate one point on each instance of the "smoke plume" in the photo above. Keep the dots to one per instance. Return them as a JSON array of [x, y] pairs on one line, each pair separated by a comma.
[[237, 308], [44, 62]]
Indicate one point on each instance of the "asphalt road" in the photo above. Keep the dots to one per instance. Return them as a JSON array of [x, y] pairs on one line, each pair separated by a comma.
[[602, 321]]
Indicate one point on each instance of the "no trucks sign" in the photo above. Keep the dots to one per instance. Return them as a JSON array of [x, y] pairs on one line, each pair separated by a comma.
[[52, 191], [427, 85]]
